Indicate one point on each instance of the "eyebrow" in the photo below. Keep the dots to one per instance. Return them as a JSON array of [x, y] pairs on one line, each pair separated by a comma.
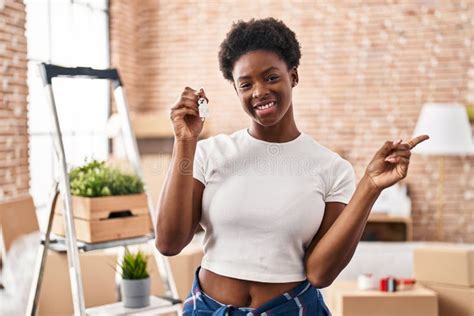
[[263, 72]]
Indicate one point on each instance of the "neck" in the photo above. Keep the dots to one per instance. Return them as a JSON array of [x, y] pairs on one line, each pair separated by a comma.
[[283, 131]]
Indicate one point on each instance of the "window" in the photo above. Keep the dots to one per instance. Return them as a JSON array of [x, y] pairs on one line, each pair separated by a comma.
[[66, 33]]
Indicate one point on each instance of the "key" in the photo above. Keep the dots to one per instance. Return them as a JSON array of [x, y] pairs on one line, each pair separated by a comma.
[[203, 109]]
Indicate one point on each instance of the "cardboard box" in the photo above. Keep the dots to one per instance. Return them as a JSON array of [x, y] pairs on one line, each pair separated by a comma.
[[453, 299], [17, 218], [445, 263], [155, 169], [183, 267], [344, 299], [98, 277]]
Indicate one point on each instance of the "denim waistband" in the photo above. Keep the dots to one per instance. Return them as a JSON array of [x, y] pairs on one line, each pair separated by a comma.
[[303, 296]]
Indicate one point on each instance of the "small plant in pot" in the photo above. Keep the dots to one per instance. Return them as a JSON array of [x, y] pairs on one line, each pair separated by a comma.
[[135, 287]]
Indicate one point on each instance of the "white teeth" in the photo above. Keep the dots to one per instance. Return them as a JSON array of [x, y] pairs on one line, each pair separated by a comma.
[[266, 106]]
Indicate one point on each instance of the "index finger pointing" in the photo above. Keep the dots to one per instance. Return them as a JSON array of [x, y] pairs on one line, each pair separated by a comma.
[[415, 141]]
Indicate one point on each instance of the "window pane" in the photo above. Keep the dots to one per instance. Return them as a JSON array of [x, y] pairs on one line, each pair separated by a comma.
[[95, 4], [66, 33], [39, 113], [37, 29]]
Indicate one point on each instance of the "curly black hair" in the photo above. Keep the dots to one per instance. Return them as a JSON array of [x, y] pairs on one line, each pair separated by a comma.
[[267, 34]]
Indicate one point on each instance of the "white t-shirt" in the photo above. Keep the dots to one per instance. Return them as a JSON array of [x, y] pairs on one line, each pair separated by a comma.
[[263, 202]]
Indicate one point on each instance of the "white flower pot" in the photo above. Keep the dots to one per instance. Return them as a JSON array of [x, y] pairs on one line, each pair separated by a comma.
[[135, 293]]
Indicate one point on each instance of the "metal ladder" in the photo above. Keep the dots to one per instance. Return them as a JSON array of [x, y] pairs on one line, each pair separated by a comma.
[[158, 305]]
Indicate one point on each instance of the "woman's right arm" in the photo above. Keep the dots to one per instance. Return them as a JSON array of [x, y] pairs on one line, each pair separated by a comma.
[[179, 205]]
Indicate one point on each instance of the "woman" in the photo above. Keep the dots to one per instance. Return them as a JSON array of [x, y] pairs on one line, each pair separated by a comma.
[[281, 213]]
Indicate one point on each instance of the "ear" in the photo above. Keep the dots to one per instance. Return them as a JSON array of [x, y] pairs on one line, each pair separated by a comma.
[[294, 76]]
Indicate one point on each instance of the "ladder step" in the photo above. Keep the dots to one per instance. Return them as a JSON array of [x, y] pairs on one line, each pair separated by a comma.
[[157, 306], [58, 243], [170, 299]]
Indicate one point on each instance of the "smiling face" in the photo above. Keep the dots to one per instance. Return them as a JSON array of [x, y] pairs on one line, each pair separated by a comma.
[[262, 78]]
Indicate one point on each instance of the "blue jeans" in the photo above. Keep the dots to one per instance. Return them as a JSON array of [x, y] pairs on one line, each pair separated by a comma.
[[304, 299]]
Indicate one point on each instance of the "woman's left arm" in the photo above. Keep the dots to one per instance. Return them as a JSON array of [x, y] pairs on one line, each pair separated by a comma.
[[335, 242]]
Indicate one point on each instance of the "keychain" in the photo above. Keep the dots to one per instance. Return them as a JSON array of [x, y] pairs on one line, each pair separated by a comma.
[[203, 109]]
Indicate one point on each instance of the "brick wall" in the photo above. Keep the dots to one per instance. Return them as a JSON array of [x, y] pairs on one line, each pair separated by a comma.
[[366, 70], [14, 170], [123, 17]]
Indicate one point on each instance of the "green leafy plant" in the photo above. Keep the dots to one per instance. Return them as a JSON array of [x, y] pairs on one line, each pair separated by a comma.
[[134, 266], [97, 179]]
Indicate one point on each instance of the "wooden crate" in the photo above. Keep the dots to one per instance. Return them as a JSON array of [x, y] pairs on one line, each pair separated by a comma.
[[107, 218]]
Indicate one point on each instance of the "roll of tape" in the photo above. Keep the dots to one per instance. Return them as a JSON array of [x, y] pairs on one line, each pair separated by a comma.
[[366, 281], [392, 285]]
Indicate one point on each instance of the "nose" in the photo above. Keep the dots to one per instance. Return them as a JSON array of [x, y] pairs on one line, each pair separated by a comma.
[[260, 90]]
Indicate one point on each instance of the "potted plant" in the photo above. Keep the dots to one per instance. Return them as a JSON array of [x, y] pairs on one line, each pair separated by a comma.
[[108, 204], [96, 179], [135, 286]]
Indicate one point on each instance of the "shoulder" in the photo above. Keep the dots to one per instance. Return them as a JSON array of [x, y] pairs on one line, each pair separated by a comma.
[[320, 150], [331, 160], [220, 141]]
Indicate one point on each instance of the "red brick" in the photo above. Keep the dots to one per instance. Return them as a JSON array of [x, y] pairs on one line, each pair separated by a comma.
[[14, 170]]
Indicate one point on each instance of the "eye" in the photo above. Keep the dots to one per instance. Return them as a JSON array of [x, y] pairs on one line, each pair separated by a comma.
[[273, 78], [244, 86]]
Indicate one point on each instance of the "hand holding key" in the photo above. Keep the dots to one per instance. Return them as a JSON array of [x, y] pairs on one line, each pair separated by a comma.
[[185, 114]]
